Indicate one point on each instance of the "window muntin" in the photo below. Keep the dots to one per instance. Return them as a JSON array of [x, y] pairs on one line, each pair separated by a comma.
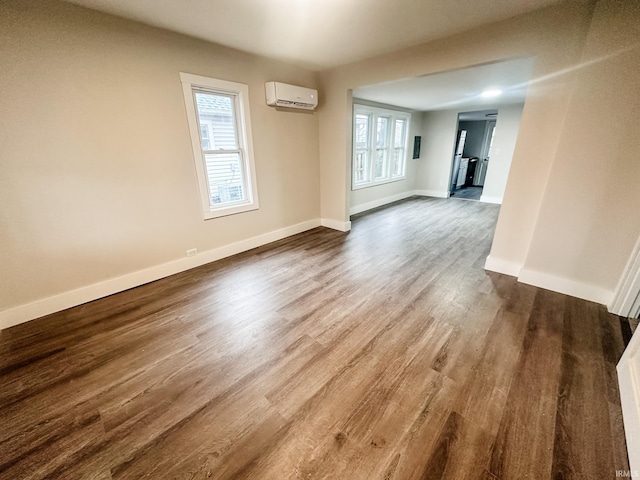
[[379, 146], [218, 116]]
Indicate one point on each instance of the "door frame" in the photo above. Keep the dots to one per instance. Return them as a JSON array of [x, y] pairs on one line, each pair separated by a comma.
[[626, 298]]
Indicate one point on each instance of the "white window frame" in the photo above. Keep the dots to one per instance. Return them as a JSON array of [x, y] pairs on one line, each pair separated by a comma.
[[240, 95], [374, 113]]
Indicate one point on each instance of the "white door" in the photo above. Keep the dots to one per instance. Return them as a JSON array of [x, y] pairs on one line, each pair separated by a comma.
[[629, 382], [456, 160], [461, 141], [483, 163], [462, 172], [626, 302], [626, 299]]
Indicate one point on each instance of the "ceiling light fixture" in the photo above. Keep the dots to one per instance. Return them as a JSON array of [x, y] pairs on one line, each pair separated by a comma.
[[492, 92]]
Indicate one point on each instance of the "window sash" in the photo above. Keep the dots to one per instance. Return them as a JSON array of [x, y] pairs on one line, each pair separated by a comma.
[[224, 181], [398, 166], [219, 127], [224, 190], [361, 166], [382, 164]]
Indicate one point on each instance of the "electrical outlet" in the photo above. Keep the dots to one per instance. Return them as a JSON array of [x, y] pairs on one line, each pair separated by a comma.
[[192, 253]]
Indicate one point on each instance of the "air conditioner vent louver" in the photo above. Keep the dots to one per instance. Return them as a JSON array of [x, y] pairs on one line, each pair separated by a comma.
[[291, 96]]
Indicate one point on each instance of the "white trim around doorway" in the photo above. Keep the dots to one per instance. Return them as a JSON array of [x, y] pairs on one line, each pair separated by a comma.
[[626, 298]]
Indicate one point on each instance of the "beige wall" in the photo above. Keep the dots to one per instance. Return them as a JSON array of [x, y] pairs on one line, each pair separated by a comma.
[[438, 139], [97, 176], [590, 215], [504, 142]]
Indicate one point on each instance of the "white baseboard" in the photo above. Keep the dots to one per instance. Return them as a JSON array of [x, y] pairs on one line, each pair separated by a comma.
[[394, 198], [432, 193], [629, 384], [335, 224], [380, 202], [45, 306], [567, 286], [549, 282], [502, 266], [490, 199]]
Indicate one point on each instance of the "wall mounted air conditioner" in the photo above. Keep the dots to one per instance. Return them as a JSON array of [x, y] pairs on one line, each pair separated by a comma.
[[291, 96]]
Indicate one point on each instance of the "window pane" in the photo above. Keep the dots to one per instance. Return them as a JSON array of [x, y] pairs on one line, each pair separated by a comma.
[[399, 134], [216, 114], [381, 164], [226, 182], [362, 131], [361, 166], [399, 140], [204, 137], [397, 165], [382, 132]]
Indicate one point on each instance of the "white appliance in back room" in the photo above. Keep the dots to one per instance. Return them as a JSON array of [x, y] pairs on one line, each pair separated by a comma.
[[457, 160]]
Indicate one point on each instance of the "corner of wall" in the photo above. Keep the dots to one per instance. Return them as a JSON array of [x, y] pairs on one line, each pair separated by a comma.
[[336, 224], [490, 199], [505, 267]]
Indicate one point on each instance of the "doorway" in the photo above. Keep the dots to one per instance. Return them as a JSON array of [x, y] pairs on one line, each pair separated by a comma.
[[474, 140]]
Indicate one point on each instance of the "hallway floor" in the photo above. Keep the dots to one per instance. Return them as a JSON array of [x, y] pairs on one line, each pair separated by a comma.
[[469, 193]]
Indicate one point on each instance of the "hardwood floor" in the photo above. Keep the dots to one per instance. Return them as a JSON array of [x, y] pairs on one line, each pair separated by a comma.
[[385, 353]]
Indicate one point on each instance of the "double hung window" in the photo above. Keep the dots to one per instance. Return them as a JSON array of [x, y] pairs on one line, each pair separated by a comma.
[[379, 146], [220, 127]]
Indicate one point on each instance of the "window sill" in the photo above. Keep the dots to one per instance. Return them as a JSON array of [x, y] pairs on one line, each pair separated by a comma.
[[232, 210]]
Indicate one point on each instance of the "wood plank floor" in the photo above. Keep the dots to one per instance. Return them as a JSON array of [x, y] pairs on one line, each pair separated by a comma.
[[386, 353]]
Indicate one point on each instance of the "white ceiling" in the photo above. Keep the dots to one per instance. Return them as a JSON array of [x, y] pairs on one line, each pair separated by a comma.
[[317, 34], [458, 89]]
